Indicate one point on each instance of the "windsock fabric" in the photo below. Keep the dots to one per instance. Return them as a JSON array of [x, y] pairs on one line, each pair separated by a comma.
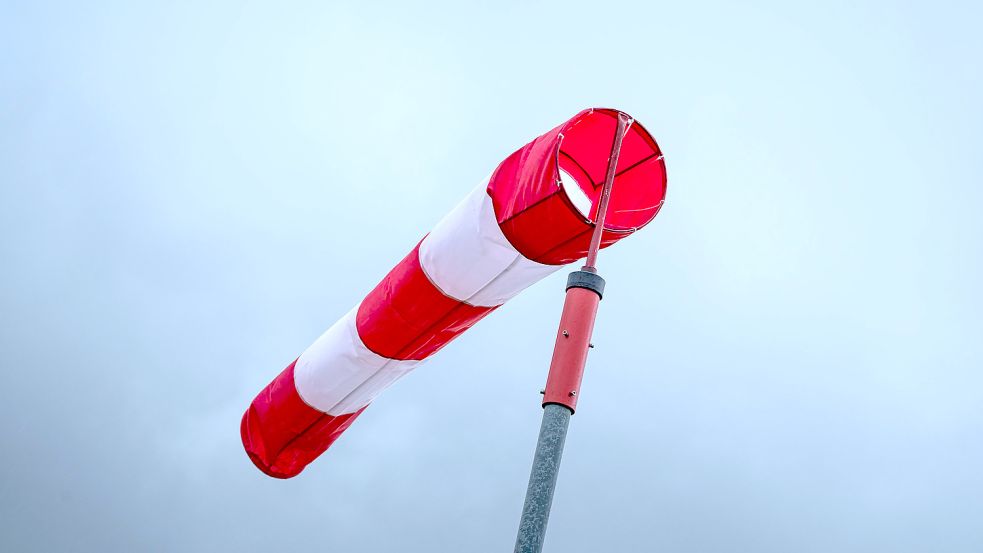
[[532, 216]]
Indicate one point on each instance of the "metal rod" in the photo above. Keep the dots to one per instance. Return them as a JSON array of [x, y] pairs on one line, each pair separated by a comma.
[[584, 291], [542, 480], [624, 120]]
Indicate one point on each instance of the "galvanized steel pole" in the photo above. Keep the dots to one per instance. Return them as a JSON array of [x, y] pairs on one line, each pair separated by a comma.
[[584, 291], [542, 481]]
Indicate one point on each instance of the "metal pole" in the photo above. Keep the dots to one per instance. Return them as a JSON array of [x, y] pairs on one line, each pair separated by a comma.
[[584, 291], [542, 481]]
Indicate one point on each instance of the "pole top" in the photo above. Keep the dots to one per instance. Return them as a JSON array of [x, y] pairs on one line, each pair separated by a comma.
[[589, 280]]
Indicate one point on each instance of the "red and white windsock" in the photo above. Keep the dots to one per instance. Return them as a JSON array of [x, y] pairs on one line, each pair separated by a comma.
[[533, 216]]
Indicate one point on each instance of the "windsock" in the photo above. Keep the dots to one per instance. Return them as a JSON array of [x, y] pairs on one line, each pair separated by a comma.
[[530, 218]]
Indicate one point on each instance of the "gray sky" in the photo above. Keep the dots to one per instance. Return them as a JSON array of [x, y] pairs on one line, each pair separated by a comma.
[[788, 357]]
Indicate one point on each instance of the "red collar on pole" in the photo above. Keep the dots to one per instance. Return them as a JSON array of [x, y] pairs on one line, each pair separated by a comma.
[[582, 299]]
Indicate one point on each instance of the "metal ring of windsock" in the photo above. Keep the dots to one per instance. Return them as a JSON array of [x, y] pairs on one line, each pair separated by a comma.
[[533, 216]]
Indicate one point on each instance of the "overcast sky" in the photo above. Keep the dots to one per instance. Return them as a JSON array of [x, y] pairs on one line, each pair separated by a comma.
[[788, 358]]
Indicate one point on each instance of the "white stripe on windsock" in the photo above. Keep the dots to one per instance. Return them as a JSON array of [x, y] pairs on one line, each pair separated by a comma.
[[468, 258], [339, 375]]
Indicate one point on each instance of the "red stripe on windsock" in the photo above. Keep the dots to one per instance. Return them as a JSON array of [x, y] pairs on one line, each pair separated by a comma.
[[406, 317], [282, 434]]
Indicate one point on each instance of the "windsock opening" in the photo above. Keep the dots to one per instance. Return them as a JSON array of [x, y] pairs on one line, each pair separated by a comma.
[[546, 194], [640, 177]]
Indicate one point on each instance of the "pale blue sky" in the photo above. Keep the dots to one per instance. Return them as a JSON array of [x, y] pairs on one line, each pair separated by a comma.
[[788, 358]]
